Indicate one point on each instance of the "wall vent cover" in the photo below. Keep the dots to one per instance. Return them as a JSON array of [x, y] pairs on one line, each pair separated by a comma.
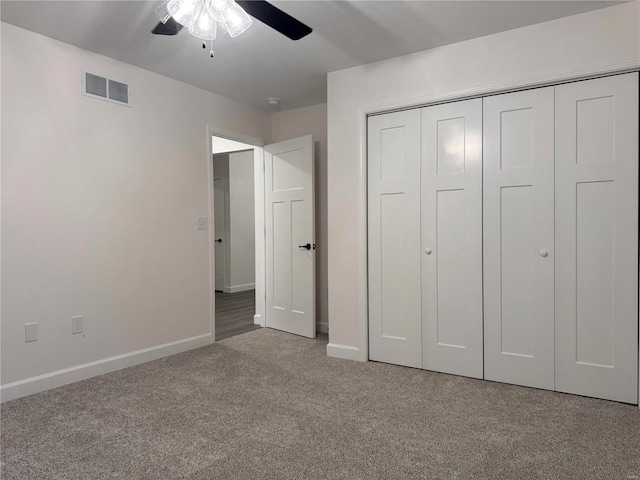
[[96, 85], [118, 91], [104, 88]]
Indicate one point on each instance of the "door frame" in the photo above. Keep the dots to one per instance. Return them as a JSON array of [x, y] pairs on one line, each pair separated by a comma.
[[259, 317], [361, 352]]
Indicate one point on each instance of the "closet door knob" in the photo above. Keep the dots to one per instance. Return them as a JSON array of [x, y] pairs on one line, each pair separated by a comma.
[[543, 253], [428, 251]]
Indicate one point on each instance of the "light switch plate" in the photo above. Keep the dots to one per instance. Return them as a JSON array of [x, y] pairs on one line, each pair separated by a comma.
[[77, 324], [203, 223], [30, 332]]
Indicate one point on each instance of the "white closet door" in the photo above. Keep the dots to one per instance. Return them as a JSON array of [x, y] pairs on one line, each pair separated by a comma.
[[597, 238], [518, 238], [452, 238], [394, 238]]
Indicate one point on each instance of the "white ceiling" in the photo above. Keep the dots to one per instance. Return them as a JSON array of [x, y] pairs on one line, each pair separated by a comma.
[[262, 63]]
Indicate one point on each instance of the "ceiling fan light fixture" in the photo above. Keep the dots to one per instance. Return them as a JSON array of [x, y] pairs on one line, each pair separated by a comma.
[[205, 18], [202, 16]]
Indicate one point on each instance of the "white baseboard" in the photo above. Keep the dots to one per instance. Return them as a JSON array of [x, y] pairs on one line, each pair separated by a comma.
[[47, 381], [345, 352], [322, 327], [258, 320], [239, 288]]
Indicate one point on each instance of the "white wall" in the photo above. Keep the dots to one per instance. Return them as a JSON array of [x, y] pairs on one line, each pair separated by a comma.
[[595, 42], [221, 171], [242, 221], [296, 123], [99, 211], [236, 169]]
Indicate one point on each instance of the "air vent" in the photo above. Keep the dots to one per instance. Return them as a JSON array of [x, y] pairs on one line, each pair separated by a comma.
[[96, 85], [104, 88], [118, 91]]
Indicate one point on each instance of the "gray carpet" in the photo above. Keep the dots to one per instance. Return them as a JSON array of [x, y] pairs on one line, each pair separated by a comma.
[[270, 405]]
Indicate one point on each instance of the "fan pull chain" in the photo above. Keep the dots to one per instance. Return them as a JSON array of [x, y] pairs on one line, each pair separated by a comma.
[[204, 45]]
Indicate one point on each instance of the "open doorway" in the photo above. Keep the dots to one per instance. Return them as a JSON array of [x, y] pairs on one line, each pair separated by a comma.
[[285, 246], [234, 225]]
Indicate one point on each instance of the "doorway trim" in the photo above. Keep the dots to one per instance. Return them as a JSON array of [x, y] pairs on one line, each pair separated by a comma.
[[259, 317]]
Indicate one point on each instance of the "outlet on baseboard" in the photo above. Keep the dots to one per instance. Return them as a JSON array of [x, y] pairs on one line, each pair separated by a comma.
[[76, 324], [30, 332]]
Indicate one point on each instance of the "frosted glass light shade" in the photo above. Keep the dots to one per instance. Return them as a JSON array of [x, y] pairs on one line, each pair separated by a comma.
[[184, 12], [217, 8], [236, 20], [162, 12], [204, 26]]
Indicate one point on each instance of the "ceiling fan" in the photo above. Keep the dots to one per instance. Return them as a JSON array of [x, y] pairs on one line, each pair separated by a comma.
[[260, 10]]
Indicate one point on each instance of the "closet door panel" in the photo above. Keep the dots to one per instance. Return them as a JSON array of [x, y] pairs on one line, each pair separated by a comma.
[[452, 238], [394, 238], [597, 238], [517, 270], [518, 148]]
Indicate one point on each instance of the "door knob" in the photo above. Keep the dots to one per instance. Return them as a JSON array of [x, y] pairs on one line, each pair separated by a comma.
[[218, 240], [428, 251], [307, 246], [543, 253]]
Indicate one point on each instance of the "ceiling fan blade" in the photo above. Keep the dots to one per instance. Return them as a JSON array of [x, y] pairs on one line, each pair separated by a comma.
[[275, 18], [170, 28]]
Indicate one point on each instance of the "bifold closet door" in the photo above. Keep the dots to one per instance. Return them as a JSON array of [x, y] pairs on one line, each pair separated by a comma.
[[452, 238], [394, 238], [518, 170], [597, 238]]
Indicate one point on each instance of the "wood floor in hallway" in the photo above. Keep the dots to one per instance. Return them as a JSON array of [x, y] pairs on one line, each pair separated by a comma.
[[234, 313]]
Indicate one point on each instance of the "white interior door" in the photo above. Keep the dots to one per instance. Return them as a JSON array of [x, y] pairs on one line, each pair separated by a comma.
[[394, 238], [597, 238], [218, 225], [290, 236], [452, 238], [518, 168]]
